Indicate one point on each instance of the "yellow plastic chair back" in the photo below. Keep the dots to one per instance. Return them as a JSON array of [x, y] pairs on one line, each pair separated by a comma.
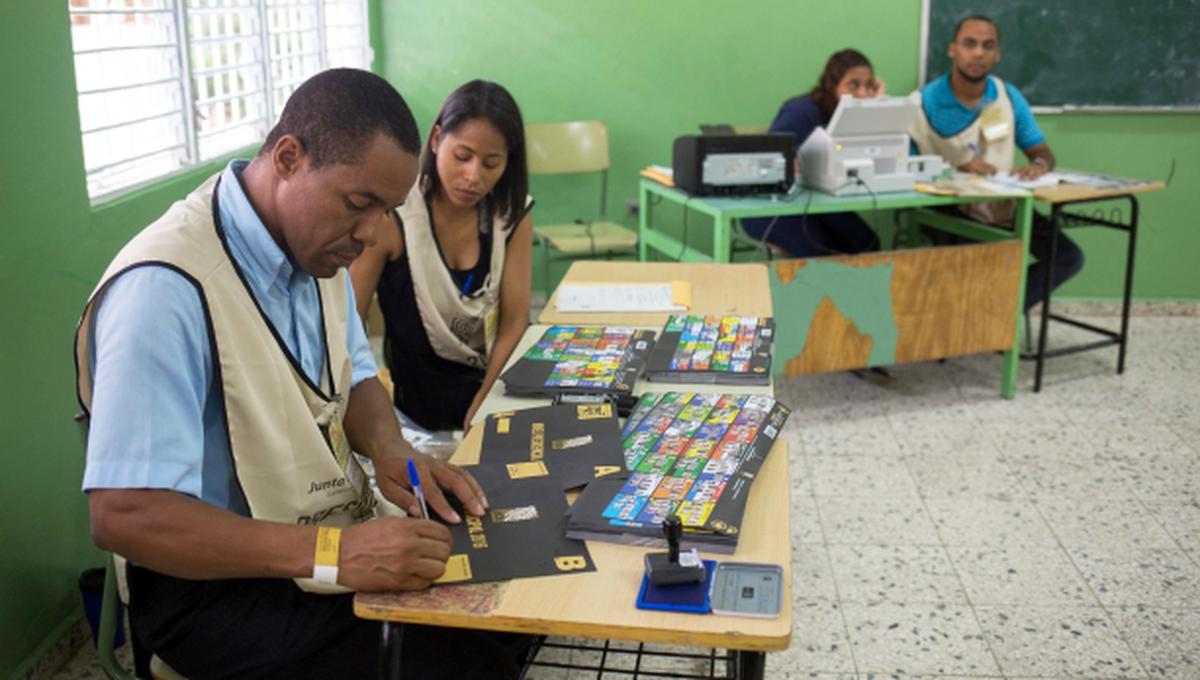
[[578, 146], [571, 148], [751, 129]]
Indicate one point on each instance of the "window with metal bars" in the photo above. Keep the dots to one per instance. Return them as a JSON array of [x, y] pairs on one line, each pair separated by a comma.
[[167, 84]]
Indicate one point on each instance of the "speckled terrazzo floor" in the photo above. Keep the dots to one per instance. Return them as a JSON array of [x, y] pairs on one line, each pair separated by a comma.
[[940, 531]]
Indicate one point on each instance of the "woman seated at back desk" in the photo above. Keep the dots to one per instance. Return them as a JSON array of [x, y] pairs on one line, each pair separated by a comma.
[[846, 72], [452, 265]]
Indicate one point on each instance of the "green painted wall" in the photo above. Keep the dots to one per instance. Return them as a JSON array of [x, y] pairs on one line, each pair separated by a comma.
[[1137, 145], [654, 70], [651, 69], [53, 248]]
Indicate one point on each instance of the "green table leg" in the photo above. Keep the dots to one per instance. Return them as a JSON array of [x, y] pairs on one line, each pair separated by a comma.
[[909, 229], [1023, 225], [643, 221], [722, 242], [108, 626]]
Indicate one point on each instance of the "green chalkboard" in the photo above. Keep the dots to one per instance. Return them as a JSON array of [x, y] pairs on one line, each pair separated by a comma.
[[1106, 53]]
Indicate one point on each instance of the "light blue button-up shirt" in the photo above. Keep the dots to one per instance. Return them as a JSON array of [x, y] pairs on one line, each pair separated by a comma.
[[157, 417]]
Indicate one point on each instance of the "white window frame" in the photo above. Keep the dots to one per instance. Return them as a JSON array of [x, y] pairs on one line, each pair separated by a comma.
[[184, 45]]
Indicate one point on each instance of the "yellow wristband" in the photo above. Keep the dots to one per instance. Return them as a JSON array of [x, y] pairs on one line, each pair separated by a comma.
[[325, 562]]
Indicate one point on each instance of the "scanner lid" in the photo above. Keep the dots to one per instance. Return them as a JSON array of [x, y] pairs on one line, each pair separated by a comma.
[[873, 116]]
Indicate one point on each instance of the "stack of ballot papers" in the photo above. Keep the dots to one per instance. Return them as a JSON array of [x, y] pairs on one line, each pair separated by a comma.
[[521, 535], [576, 443], [592, 360], [694, 455], [724, 350]]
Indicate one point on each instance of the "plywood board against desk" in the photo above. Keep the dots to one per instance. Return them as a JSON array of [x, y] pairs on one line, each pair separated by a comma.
[[717, 289], [878, 309]]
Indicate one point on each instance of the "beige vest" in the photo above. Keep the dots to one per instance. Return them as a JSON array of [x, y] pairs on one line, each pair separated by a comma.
[[993, 134], [461, 328], [282, 457]]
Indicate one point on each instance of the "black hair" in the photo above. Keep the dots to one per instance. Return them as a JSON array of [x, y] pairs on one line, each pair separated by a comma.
[[824, 93], [975, 17], [336, 113], [485, 100]]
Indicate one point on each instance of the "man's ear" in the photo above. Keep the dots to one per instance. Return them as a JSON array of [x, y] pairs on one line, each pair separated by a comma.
[[288, 156]]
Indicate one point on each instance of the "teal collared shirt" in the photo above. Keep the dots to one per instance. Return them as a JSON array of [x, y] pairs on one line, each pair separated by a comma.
[[948, 116]]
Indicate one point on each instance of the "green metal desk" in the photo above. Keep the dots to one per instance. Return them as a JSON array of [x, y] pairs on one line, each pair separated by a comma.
[[725, 210]]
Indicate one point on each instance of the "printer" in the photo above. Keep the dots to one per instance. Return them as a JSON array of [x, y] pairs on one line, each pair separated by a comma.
[[865, 149], [723, 164]]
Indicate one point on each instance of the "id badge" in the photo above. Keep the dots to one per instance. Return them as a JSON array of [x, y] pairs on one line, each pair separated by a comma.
[[330, 422], [993, 124], [490, 322]]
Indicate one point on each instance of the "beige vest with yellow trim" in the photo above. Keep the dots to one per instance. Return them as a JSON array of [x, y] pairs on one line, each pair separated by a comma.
[[461, 328], [283, 463], [993, 134]]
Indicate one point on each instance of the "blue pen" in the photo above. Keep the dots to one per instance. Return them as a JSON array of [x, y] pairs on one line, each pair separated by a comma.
[[417, 491], [974, 150], [467, 284]]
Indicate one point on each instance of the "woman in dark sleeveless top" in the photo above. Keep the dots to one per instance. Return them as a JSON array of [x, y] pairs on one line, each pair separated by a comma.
[[474, 184]]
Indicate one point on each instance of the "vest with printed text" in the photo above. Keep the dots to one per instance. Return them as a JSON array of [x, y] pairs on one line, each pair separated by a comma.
[[282, 459]]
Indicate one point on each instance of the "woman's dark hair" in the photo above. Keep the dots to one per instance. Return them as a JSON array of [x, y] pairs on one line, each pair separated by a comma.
[[824, 94], [485, 100]]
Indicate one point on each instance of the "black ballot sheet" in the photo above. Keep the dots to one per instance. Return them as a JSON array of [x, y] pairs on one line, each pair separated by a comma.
[[578, 442], [522, 534]]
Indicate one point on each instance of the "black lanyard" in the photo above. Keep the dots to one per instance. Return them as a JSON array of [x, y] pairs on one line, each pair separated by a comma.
[[216, 215]]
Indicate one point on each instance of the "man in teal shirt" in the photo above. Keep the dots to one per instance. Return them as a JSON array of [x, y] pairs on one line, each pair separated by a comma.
[[976, 121]]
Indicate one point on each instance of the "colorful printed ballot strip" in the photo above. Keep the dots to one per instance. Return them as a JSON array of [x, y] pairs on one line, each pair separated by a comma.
[[690, 454], [581, 359], [729, 349], [584, 357], [683, 452]]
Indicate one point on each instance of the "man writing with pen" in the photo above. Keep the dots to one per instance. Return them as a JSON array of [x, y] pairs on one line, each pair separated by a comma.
[[976, 122], [228, 381]]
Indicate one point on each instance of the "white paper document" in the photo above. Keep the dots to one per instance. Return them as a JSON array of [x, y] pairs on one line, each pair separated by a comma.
[[1048, 179], [1101, 181], [967, 184], [624, 297], [663, 170]]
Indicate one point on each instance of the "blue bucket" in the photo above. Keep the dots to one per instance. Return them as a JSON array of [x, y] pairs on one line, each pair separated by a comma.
[[91, 588]]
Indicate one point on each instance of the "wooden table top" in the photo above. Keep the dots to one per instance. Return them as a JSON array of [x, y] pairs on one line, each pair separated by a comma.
[[600, 604], [717, 289], [1064, 193]]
